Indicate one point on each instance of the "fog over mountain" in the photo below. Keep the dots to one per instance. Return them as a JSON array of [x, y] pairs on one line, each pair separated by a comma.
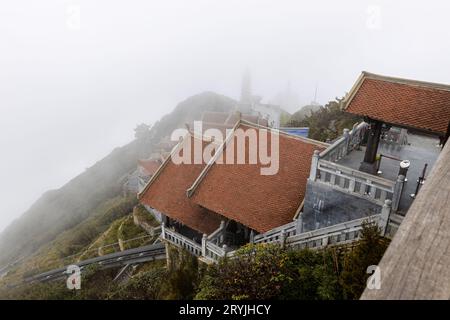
[[77, 76]]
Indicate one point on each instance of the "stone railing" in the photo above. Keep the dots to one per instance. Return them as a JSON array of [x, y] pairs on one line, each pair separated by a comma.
[[358, 183], [278, 234], [181, 241], [207, 249], [338, 234], [350, 140], [213, 252], [373, 188], [288, 235], [218, 235]]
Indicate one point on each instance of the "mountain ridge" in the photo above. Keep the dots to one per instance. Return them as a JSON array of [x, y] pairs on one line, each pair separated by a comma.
[[62, 209]]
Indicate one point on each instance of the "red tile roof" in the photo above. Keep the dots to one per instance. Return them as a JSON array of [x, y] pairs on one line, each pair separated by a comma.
[[150, 166], [239, 191], [166, 192], [402, 102]]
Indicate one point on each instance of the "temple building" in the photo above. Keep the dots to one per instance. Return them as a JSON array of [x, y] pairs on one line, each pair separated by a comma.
[[209, 207], [321, 194]]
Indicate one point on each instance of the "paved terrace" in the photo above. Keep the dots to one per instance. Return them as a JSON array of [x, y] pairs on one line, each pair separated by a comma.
[[415, 265], [420, 150]]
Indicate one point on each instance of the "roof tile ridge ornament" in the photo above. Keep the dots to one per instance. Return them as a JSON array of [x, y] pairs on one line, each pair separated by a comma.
[[163, 165], [190, 191]]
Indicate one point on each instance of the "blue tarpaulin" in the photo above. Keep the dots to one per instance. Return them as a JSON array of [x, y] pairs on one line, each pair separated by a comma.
[[302, 132]]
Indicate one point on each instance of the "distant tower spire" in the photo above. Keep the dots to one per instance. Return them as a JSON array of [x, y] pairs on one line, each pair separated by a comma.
[[315, 96], [246, 93]]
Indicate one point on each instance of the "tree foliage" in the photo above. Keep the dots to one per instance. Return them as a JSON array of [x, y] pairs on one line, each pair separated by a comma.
[[271, 272], [327, 123], [368, 252], [142, 131]]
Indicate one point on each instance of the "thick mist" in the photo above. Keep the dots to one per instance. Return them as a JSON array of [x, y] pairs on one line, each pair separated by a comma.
[[77, 76]]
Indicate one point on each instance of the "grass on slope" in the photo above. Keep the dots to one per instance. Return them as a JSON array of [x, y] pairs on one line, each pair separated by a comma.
[[144, 216], [128, 230], [75, 240]]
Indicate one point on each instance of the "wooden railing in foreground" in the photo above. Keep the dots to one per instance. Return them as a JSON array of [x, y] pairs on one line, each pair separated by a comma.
[[416, 263]]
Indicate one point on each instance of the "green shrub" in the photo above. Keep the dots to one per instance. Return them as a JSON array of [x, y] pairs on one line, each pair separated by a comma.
[[369, 251], [145, 285]]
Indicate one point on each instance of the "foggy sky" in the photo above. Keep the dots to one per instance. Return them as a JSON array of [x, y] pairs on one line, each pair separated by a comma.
[[77, 76]]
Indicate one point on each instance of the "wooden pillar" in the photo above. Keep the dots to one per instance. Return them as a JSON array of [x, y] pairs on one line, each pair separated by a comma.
[[369, 163], [447, 135], [222, 232]]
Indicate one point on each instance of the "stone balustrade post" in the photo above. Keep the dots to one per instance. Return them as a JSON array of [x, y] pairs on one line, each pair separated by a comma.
[[225, 249], [384, 218], [346, 142], [204, 239], [282, 238], [299, 224], [325, 241], [314, 165], [398, 189], [163, 230], [222, 231]]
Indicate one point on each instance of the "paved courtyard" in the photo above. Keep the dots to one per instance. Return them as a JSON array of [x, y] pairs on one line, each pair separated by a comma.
[[420, 150]]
